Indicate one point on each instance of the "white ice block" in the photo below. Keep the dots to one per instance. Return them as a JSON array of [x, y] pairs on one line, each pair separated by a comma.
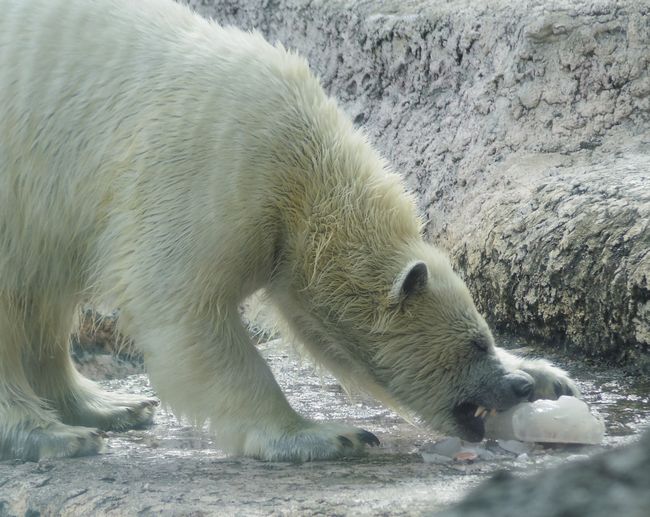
[[566, 420]]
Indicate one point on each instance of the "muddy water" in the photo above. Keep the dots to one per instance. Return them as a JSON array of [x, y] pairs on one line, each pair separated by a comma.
[[174, 467]]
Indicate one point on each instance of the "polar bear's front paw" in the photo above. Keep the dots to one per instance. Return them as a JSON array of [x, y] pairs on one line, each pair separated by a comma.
[[550, 382], [61, 441], [316, 441]]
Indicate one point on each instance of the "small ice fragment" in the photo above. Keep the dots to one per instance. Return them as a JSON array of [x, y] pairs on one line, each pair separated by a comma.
[[566, 420], [577, 457], [447, 446], [522, 458], [484, 454], [432, 457], [442, 451], [515, 446]]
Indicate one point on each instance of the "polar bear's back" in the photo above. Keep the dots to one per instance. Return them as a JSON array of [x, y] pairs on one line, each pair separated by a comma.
[[117, 113], [117, 65]]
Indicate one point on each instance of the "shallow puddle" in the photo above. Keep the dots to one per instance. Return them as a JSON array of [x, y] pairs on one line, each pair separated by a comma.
[[622, 400]]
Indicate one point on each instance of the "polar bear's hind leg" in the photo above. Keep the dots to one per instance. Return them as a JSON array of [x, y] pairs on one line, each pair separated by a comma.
[[78, 400], [30, 428], [47, 409], [81, 401]]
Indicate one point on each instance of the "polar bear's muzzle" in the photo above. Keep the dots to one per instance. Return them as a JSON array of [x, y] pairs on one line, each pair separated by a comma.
[[469, 421], [470, 415]]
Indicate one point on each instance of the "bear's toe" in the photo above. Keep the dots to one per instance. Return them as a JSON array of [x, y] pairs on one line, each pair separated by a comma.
[[361, 438], [565, 387], [368, 438], [550, 382], [345, 442], [113, 412], [62, 441]]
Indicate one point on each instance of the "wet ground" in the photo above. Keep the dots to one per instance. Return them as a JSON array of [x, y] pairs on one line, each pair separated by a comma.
[[175, 468]]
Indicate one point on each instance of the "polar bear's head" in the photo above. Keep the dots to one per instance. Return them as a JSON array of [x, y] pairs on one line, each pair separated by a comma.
[[370, 300], [401, 325], [435, 354]]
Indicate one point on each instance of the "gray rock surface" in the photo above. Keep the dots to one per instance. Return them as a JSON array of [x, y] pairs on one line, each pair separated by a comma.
[[613, 483], [173, 468], [524, 128]]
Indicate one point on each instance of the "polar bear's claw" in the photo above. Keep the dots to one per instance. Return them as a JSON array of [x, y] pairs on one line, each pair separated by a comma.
[[362, 437], [345, 442], [368, 438], [562, 387]]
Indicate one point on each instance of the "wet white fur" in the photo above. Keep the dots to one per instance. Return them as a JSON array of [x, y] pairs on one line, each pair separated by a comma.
[[153, 161]]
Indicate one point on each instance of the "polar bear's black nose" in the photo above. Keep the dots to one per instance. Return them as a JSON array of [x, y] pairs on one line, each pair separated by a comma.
[[523, 385]]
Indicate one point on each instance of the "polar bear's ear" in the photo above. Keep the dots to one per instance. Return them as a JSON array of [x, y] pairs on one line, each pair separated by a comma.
[[412, 279]]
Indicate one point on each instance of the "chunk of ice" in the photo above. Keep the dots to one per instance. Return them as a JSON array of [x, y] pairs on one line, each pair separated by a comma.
[[577, 457], [432, 457], [447, 446], [453, 448], [522, 458], [566, 420], [516, 446]]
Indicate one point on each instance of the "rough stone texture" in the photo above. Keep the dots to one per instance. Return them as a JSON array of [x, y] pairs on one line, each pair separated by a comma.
[[524, 129], [174, 468], [613, 483]]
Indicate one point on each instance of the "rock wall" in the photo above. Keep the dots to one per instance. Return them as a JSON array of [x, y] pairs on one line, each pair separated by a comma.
[[524, 128]]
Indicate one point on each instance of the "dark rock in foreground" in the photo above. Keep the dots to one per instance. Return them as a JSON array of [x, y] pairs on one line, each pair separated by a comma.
[[616, 482]]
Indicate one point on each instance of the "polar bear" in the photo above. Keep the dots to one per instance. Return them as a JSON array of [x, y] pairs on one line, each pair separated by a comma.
[[155, 161]]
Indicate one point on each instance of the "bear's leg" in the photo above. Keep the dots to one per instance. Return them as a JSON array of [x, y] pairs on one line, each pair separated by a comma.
[[217, 373], [30, 428], [81, 401], [78, 400], [551, 382]]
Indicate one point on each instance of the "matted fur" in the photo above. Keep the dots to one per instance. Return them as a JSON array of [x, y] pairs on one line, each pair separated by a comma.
[[153, 161]]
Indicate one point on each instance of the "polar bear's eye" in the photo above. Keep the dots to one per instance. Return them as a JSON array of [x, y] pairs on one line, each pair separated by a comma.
[[480, 343]]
